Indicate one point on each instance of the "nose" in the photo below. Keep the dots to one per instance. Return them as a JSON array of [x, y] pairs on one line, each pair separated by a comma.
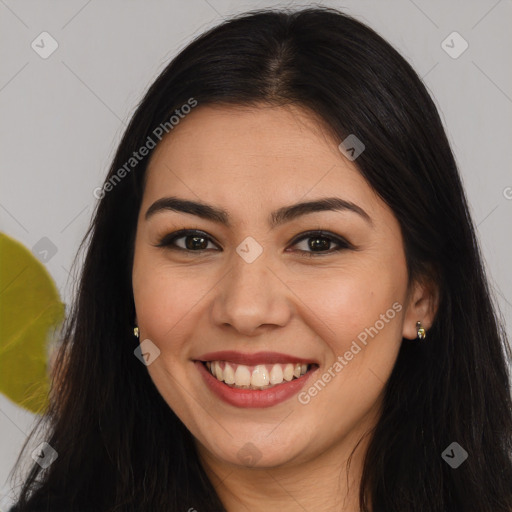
[[251, 297]]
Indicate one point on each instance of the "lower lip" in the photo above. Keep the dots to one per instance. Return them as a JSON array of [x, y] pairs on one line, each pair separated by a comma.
[[253, 397]]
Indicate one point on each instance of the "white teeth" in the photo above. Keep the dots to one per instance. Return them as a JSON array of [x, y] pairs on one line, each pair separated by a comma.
[[288, 372], [218, 371], [255, 377], [260, 376], [229, 374], [242, 376], [276, 374]]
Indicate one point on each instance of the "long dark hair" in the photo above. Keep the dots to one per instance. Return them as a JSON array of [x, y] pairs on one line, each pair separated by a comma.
[[120, 446]]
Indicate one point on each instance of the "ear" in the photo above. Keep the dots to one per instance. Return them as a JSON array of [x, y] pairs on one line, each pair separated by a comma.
[[422, 304]]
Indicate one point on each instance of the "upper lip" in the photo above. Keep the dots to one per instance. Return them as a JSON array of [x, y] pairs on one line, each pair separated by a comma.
[[253, 359]]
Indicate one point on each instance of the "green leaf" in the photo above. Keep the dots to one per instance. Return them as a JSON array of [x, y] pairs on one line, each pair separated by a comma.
[[30, 312]]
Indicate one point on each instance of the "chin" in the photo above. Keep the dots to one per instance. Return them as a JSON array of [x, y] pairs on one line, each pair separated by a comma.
[[258, 448]]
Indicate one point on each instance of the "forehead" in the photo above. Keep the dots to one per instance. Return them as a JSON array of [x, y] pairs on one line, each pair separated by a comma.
[[247, 156], [248, 129]]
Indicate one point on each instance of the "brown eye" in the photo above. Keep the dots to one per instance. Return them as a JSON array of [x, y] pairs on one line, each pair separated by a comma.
[[194, 241], [318, 243]]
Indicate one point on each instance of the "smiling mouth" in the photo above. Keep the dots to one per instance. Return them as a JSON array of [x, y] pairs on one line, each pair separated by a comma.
[[257, 377]]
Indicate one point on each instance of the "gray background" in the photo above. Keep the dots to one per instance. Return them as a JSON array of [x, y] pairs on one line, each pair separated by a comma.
[[62, 117]]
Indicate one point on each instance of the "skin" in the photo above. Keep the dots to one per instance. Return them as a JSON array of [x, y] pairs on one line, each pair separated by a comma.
[[251, 161]]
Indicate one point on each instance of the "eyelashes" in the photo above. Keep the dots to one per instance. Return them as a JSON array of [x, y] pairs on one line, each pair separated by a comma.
[[197, 238]]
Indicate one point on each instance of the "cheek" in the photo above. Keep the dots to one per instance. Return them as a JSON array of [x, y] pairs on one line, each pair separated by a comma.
[[348, 302], [361, 318], [165, 299]]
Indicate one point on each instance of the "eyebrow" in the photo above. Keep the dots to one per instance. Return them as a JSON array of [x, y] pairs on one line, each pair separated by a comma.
[[277, 217]]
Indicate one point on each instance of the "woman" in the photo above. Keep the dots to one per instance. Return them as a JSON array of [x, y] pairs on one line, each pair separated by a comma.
[[282, 304]]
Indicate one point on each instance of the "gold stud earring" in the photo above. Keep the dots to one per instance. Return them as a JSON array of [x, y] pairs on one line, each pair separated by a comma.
[[136, 331], [422, 334]]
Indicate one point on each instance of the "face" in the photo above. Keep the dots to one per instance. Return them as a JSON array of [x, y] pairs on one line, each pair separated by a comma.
[[302, 328]]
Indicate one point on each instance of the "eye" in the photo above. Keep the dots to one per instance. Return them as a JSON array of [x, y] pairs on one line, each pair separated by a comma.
[[197, 241], [318, 241], [194, 240]]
